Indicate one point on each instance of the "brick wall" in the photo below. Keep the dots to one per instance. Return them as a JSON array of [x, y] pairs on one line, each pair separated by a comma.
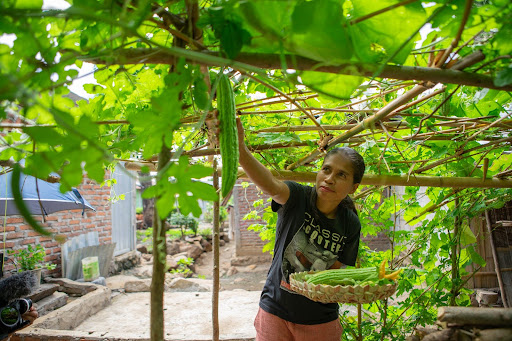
[[380, 242], [18, 233], [248, 243]]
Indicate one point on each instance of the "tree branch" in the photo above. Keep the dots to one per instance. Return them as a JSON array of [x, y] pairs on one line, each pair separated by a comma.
[[275, 61]]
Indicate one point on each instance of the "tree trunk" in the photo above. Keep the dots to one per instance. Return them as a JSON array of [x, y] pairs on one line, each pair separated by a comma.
[[498, 334], [476, 316], [159, 260]]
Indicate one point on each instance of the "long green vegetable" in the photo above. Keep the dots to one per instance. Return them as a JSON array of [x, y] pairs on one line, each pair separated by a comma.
[[228, 138]]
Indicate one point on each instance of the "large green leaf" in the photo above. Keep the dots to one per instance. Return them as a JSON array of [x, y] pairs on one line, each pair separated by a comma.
[[467, 236], [27, 4], [318, 32], [314, 29], [333, 85], [475, 256], [502, 39], [381, 37], [504, 77]]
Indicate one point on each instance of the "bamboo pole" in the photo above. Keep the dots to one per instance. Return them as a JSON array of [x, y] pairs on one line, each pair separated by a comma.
[[400, 180], [496, 260], [365, 124], [454, 255], [383, 180]]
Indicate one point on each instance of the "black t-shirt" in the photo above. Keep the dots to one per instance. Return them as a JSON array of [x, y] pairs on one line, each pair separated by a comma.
[[305, 242]]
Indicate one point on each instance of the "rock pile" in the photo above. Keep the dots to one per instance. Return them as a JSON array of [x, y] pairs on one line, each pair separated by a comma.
[[180, 250]]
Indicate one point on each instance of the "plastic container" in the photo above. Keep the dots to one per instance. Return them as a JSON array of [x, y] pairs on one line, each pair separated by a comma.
[[90, 268]]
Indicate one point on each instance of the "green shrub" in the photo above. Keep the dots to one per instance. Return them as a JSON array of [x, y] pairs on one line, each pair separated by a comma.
[[183, 266], [30, 258], [184, 223], [205, 232]]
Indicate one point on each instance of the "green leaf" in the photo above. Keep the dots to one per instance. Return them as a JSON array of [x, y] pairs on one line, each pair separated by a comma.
[[203, 191], [502, 39], [467, 236], [380, 37], [201, 96], [198, 171], [332, 85], [504, 77], [475, 256], [28, 4], [188, 204], [324, 37], [150, 192], [302, 17], [44, 135], [165, 204], [233, 37]]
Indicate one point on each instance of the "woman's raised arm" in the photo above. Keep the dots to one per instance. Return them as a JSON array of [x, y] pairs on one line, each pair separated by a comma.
[[258, 173]]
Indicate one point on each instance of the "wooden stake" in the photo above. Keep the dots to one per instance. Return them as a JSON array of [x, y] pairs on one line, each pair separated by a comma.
[[216, 257]]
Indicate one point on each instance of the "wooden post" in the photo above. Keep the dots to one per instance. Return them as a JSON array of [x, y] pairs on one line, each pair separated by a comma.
[[216, 257], [496, 261], [455, 254]]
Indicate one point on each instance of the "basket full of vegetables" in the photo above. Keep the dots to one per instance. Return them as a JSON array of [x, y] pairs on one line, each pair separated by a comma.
[[359, 285]]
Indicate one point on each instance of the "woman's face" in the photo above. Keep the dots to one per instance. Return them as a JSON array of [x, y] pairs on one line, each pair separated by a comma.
[[336, 179]]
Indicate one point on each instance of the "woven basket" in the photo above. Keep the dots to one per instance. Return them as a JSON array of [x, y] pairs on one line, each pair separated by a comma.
[[339, 293]]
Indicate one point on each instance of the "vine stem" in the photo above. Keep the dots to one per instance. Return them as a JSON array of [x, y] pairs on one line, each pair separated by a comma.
[[383, 10], [456, 39], [416, 299]]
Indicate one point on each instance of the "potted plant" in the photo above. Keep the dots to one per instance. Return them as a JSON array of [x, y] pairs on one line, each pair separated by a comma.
[[31, 259]]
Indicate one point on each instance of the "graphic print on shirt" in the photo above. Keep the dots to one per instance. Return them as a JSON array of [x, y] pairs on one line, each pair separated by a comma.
[[311, 248]]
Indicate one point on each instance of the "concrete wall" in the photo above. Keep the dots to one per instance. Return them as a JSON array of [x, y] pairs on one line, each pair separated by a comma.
[[18, 233]]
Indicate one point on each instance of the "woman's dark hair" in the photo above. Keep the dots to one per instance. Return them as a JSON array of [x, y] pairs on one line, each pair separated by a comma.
[[358, 167]]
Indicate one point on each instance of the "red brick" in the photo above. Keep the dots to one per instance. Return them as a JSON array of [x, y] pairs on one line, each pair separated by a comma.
[[15, 235], [28, 241], [15, 220]]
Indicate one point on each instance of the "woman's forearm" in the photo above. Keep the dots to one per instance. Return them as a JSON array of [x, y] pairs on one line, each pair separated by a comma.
[[259, 174]]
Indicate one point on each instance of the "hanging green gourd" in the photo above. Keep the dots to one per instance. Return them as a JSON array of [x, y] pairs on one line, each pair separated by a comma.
[[228, 135]]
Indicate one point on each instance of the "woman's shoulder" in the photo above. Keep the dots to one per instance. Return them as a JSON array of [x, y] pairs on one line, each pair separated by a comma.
[[348, 214], [298, 187], [298, 193]]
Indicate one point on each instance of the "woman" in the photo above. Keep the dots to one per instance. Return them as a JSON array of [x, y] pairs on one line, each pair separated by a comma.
[[317, 229]]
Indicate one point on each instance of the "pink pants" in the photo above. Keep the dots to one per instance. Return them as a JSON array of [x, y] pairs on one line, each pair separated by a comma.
[[272, 328]]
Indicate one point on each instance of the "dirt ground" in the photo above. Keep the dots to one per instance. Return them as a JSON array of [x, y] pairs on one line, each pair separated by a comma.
[[251, 277]]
